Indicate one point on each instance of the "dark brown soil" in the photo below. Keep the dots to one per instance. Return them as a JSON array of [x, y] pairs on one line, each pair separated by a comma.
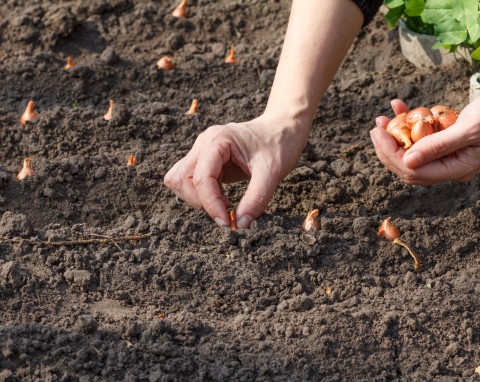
[[190, 301]]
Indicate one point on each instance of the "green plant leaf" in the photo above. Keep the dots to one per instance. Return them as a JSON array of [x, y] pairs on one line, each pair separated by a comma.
[[390, 4], [414, 7], [450, 32], [476, 54], [393, 15], [437, 11], [467, 13]]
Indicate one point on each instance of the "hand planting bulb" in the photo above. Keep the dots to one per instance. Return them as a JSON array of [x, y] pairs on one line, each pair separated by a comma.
[[26, 170]]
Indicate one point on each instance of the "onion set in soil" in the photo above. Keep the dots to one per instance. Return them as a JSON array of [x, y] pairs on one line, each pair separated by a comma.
[[233, 219], [26, 170], [29, 114], [230, 59], [165, 63], [109, 115], [392, 233], [310, 223], [70, 64], [131, 160], [193, 107], [181, 10]]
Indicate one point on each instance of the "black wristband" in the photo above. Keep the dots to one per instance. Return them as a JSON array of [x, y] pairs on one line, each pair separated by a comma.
[[369, 8]]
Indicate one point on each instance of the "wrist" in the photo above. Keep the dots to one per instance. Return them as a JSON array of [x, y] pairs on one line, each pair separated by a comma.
[[296, 117]]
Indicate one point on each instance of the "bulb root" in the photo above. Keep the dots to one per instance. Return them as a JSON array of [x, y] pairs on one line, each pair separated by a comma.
[[416, 258]]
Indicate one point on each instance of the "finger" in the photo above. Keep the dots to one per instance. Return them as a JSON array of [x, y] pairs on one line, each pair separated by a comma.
[[388, 151], [179, 180], [436, 146], [255, 200], [399, 106], [382, 122], [205, 180], [438, 171]]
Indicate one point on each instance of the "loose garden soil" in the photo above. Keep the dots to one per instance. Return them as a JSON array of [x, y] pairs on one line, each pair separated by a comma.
[[187, 300]]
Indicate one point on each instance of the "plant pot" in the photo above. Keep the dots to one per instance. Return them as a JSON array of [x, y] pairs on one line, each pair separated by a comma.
[[418, 49], [475, 86]]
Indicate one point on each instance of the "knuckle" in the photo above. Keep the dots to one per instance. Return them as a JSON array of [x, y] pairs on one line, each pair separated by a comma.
[[409, 179], [260, 201], [439, 148], [167, 180], [172, 181], [211, 132], [198, 180], [208, 205]]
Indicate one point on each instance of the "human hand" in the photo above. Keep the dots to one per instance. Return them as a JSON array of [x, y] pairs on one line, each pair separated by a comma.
[[449, 155], [263, 150]]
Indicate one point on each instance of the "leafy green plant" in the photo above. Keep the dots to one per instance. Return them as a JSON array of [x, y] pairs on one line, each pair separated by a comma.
[[454, 23], [410, 12]]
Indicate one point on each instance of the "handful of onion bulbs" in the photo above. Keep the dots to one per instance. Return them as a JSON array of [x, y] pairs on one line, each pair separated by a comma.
[[408, 128]]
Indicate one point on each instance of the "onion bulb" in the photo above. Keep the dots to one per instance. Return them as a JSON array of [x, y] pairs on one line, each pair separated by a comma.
[[26, 170], [29, 114], [420, 129], [388, 230]]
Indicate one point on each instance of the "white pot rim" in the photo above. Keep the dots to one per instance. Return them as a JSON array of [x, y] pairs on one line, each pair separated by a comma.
[[474, 80]]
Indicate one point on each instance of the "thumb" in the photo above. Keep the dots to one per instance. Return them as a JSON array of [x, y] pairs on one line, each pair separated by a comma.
[[255, 200], [435, 146]]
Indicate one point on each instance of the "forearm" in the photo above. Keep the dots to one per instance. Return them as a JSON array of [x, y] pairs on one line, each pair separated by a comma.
[[318, 37]]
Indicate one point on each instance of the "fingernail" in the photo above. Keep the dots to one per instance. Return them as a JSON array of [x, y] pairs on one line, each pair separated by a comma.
[[220, 222], [413, 159], [244, 221], [377, 121]]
